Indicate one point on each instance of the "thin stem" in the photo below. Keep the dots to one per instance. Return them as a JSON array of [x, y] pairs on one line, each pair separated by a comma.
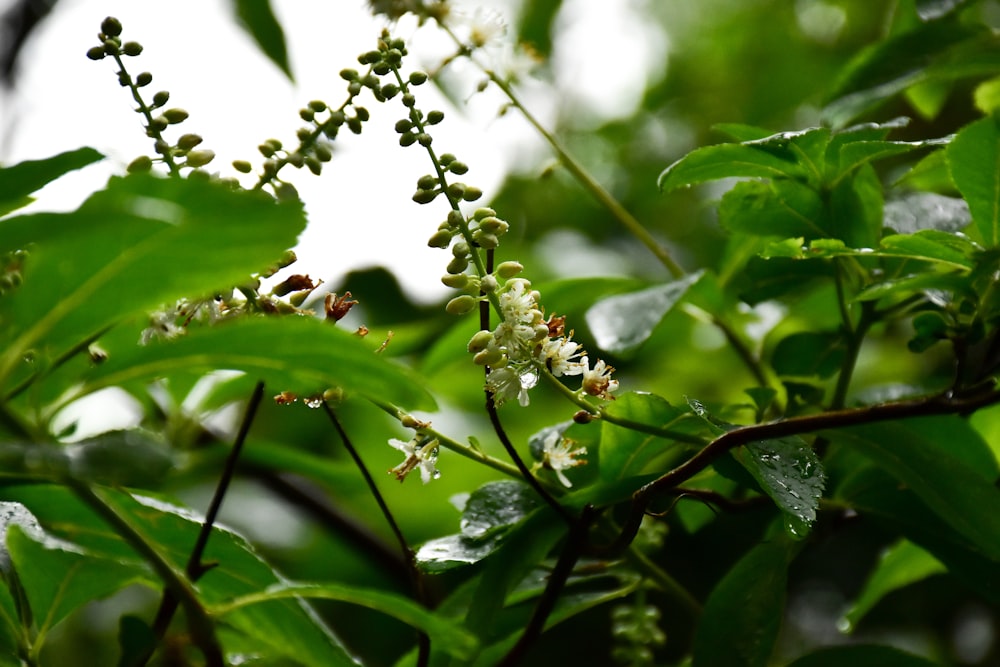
[[416, 580], [195, 568], [200, 623]]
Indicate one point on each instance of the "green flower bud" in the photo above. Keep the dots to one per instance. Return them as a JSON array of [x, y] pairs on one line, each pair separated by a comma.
[[296, 160], [390, 90], [407, 139], [493, 225], [409, 100], [144, 79], [141, 164], [369, 57], [337, 118], [287, 192], [188, 141], [323, 152], [354, 88], [161, 147], [425, 139], [274, 143], [456, 219], [457, 167], [488, 284], [457, 265], [485, 240], [307, 115], [426, 182], [483, 212], [314, 166], [111, 26], [370, 81], [446, 158], [456, 190], [96, 53], [349, 74], [317, 105], [440, 239], [394, 56], [199, 175], [455, 280], [362, 113], [480, 341], [124, 79], [158, 124], [382, 68], [266, 149], [472, 193], [269, 168], [354, 124], [242, 166], [508, 270], [111, 47], [303, 134], [200, 158], [160, 98], [491, 357], [403, 125], [132, 48], [460, 305], [424, 196], [460, 249], [417, 77], [435, 117]]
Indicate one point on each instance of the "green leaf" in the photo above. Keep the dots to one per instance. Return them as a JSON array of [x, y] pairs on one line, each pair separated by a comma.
[[809, 353], [856, 209], [932, 10], [740, 132], [743, 613], [858, 153], [257, 18], [974, 160], [453, 551], [59, 577], [626, 452], [20, 180], [727, 161], [925, 210], [142, 242], [286, 627], [776, 208], [444, 634], [299, 354], [861, 656], [621, 323], [900, 565], [535, 26], [946, 464], [790, 473], [495, 506]]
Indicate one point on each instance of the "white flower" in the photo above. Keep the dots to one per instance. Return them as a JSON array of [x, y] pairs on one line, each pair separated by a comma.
[[507, 382], [481, 27], [597, 381], [162, 324], [557, 355], [558, 455], [518, 304], [419, 454]]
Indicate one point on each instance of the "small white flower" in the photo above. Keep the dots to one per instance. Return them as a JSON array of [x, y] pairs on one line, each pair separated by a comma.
[[558, 455], [507, 382], [558, 356], [597, 380], [162, 325], [519, 304], [423, 456], [481, 27]]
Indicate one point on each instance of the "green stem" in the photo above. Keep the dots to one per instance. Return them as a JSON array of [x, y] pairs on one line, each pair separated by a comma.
[[146, 112]]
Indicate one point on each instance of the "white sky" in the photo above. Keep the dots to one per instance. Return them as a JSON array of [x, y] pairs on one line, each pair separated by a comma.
[[360, 209]]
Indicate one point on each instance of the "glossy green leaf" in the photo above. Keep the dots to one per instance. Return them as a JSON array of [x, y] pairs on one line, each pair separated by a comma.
[[915, 284], [790, 473], [857, 153], [148, 241], [855, 208], [861, 656], [59, 577], [19, 180], [287, 627], [742, 616], [809, 353], [299, 354], [445, 635], [776, 208], [453, 551], [900, 565], [946, 464], [931, 174], [740, 132], [621, 323], [974, 160], [918, 211], [258, 19], [726, 161], [627, 452], [496, 506]]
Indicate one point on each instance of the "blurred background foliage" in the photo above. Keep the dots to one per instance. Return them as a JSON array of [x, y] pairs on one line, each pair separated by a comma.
[[768, 63]]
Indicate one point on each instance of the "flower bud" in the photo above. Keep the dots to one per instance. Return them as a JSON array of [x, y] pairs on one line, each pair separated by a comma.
[[132, 48], [456, 190], [457, 167], [175, 116], [488, 284], [303, 134], [455, 219], [457, 265], [460, 249], [417, 77], [480, 341], [111, 26], [492, 225], [323, 152], [242, 166], [409, 100], [491, 357], [296, 160], [141, 164], [337, 117], [200, 158], [362, 113], [426, 182], [354, 88], [446, 158], [314, 165], [484, 212], [407, 139], [111, 47], [508, 270], [390, 90], [404, 125], [160, 98], [349, 74], [307, 115], [460, 305], [424, 196], [472, 193], [188, 141], [434, 117], [457, 281], [440, 239], [485, 239], [96, 53], [354, 124], [266, 149], [158, 124], [425, 139], [317, 105], [144, 79], [287, 192]]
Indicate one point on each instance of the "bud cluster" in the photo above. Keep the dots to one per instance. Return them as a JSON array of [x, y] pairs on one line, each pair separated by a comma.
[[183, 153], [11, 264]]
